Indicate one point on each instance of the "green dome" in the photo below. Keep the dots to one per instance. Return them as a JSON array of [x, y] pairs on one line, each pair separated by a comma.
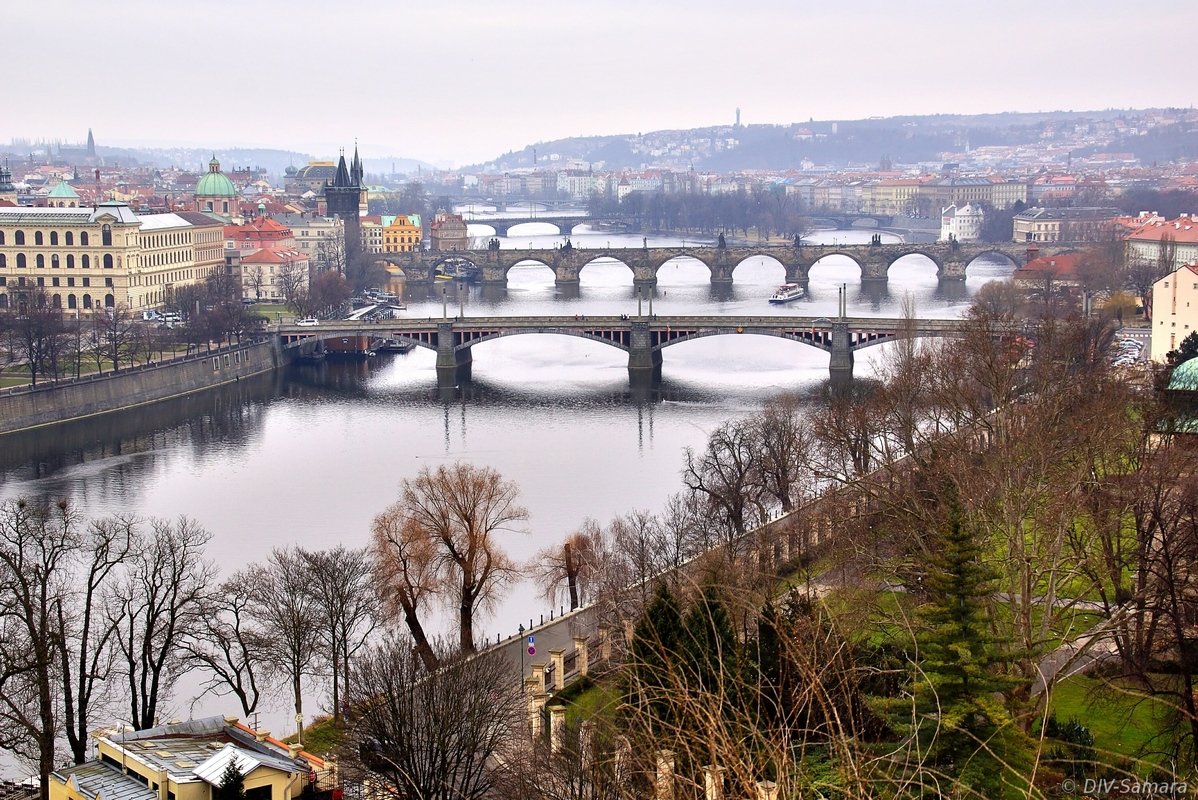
[[1185, 377], [215, 184]]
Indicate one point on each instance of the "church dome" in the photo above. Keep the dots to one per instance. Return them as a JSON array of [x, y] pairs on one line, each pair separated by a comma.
[[291, 171], [215, 184]]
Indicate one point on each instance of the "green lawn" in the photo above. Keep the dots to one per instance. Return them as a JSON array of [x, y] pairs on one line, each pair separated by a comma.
[[1120, 721], [320, 737], [598, 700]]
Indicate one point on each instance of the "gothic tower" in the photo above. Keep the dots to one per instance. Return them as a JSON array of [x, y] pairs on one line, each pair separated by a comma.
[[342, 198], [91, 144]]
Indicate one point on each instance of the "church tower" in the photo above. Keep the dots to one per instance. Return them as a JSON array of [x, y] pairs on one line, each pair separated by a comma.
[[91, 144], [342, 198]]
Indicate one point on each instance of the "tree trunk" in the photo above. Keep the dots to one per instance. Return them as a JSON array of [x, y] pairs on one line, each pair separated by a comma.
[[423, 649]]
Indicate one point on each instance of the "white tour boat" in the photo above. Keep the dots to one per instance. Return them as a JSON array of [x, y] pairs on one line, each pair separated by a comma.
[[787, 292]]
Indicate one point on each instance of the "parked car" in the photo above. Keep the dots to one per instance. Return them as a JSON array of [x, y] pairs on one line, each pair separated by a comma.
[[307, 322]]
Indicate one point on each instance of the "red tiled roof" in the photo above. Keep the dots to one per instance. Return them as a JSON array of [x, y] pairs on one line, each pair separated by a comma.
[[1060, 266], [1182, 229]]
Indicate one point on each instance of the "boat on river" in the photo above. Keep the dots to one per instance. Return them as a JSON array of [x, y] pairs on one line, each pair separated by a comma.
[[787, 292]]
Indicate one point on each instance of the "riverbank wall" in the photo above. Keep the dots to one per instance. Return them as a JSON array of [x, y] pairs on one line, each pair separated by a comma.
[[24, 408]]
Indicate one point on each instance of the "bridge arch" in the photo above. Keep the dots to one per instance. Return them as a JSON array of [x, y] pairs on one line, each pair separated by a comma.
[[300, 341], [611, 342], [608, 264], [872, 339], [770, 264], [683, 269], [531, 270], [938, 267], [1014, 261], [822, 267], [519, 229], [819, 339]]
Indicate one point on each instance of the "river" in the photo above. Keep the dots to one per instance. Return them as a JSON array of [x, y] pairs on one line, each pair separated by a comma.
[[310, 456]]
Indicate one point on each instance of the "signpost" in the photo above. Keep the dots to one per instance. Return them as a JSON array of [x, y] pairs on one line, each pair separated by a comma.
[[532, 646]]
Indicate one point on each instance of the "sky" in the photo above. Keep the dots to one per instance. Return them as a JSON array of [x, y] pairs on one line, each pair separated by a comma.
[[462, 82]]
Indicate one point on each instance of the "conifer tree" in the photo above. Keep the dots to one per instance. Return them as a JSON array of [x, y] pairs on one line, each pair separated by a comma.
[[655, 648], [960, 728], [231, 785]]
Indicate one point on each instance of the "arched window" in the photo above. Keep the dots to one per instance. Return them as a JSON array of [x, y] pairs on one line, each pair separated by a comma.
[[19, 237], [71, 301], [87, 301], [53, 238], [225, 207], [106, 235], [109, 301], [54, 261], [56, 301], [70, 261], [1, 237], [41, 261], [20, 261], [3, 261], [108, 261], [70, 237], [37, 237], [83, 239], [87, 262]]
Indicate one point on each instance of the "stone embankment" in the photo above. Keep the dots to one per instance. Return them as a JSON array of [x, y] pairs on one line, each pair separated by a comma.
[[25, 408]]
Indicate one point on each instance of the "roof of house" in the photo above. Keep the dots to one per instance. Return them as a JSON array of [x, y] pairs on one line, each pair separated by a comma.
[[1184, 377], [1182, 229], [95, 779], [1058, 266], [63, 191]]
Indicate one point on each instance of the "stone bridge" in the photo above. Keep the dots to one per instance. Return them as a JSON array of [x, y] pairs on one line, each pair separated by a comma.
[[874, 261], [563, 222], [642, 337]]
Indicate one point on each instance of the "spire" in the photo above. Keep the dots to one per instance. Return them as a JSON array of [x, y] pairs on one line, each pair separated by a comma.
[[91, 143], [214, 165], [357, 173], [342, 176]]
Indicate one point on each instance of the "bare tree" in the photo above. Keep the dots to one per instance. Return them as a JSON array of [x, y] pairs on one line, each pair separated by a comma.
[[785, 445], [37, 543], [725, 473], [87, 659], [286, 612], [572, 563], [161, 600], [405, 573], [230, 646], [346, 607], [113, 336], [463, 509], [430, 735]]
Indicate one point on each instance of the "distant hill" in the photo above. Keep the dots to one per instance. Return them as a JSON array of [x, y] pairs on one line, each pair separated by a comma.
[[902, 140]]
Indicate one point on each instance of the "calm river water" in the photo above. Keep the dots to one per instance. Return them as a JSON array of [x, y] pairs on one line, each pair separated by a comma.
[[311, 456]]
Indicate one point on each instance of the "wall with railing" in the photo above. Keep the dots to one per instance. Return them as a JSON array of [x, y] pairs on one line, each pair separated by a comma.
[[53, 402]]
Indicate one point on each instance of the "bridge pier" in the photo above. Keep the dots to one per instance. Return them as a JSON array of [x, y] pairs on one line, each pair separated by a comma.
[[644, 363], [454, 367], [841, 364], [952, 271]]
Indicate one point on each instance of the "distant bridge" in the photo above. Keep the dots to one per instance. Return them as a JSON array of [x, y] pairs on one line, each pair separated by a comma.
[[642, 337], [874, 260], [502, 224]]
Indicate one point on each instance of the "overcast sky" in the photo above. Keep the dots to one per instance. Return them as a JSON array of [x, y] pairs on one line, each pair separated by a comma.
[[460, 82]]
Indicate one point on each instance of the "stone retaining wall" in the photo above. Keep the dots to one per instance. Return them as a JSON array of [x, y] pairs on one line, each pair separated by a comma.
[[26, 409]]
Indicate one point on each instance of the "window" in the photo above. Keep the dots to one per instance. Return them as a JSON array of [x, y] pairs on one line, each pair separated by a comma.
[[53, 238], [72, 302], [83, 239], [19, 237], [108, 282], [87, 300], [54, 261], [70, 261], [41, 261], [108, 261], [70, 281], [3, 261], [87, 281], [54, 281], [109, 301], [1, 237], [20, 261], [106, 235], [70, 237], [87, 262], [37, 237]]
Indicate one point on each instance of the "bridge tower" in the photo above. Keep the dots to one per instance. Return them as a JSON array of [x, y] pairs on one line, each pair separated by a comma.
[[342, 198]]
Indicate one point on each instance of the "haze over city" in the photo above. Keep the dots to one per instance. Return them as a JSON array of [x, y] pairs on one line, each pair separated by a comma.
[[463, 84]]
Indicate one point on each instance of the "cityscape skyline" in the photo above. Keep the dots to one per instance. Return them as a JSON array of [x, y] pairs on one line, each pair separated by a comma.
[[464, 88]]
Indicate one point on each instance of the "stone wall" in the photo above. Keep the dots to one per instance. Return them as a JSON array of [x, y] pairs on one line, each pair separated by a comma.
[[26, 409]]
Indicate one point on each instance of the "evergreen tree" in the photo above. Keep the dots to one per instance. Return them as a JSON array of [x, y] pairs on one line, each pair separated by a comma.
[[231, 785], [710, 645], [1185, 351], [653, 672], [962, 729]]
